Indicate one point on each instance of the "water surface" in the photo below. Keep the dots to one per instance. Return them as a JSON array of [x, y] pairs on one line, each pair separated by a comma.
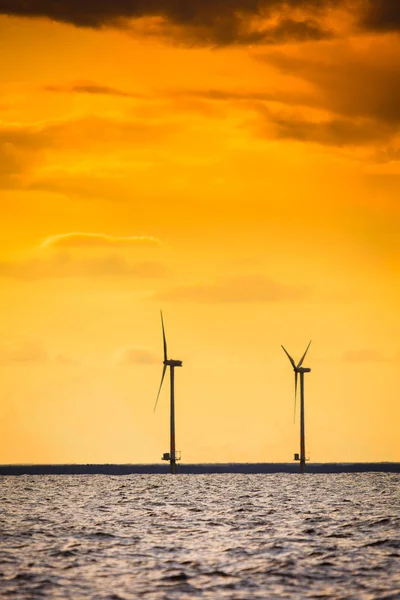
[[235, 536]]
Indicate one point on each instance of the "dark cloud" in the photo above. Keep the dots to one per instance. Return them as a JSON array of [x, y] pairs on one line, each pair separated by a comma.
[[381, 15], [334, 132], [289, 30], [215, 22], [202, 22], [248, 289], [358, 88], [89, 87], [353, 83], [246, 96], [348, 128]]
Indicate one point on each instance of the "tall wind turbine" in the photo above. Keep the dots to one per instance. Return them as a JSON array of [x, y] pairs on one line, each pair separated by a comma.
[[172, 454], [298, 369]]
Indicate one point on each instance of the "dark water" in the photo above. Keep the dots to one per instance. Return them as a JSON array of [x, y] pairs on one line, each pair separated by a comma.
[[200, 536]]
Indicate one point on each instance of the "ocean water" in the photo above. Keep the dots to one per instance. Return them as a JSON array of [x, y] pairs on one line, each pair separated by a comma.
[[235, 536]]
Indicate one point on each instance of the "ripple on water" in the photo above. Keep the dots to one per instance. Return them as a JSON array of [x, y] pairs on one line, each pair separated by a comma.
[[208, 536]]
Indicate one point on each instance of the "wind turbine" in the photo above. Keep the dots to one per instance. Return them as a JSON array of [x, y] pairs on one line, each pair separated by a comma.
[[172, 455], [298, 369]]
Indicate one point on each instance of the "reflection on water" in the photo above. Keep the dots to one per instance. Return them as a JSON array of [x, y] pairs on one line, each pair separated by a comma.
[[207, 536]]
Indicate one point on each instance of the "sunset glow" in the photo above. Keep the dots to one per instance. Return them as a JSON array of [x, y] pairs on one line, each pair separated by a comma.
[[235, 163]]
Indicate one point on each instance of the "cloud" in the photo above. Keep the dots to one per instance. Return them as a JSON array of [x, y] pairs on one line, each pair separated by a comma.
[[246, 289], [98, 240], [63, 265], [232, 30], [137, 356], [363, 355], [216, 22], [353, 95], [245, 96], [19, 146], [333, 132], [347, 93], [381, 16], [199, 22], [12, 165], [24, 147], [388, 155], [289, 30], [84, 131], [89, 87], [67, 361], [23, 352], [354, 83]]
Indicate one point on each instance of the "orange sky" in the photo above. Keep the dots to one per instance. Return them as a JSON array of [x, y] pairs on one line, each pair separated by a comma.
[[235, 163]]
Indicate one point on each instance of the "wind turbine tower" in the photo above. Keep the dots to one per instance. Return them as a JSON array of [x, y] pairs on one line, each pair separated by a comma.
[[299, 370], [172, 455]]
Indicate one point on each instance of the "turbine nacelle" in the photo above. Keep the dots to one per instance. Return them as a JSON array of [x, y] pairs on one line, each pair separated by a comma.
[[172, 363], [302, 370]]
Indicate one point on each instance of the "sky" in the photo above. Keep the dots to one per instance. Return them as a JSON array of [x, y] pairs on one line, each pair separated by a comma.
[[235, 163]]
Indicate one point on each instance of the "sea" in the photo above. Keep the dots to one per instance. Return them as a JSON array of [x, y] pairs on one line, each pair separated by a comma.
[[213, 536]]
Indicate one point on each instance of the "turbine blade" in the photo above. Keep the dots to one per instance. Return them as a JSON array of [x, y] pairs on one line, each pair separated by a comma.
[[290, 358], [164, 338], [295, 395], [159, 389], [304, 355]]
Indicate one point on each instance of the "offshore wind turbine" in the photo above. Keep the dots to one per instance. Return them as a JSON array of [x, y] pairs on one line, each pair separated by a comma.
[[299, 370], [172, 455]]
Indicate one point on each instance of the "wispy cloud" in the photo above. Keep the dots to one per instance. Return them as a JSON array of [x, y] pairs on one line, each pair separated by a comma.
[[24, 146], [249, 288], [67, 361], [91, 131], [364, 355], [22, 351], [62, 266], [98, 240], [137, 356]]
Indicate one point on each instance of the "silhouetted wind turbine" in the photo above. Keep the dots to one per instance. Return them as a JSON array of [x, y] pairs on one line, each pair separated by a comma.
[[299, 369], [172, 454]]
